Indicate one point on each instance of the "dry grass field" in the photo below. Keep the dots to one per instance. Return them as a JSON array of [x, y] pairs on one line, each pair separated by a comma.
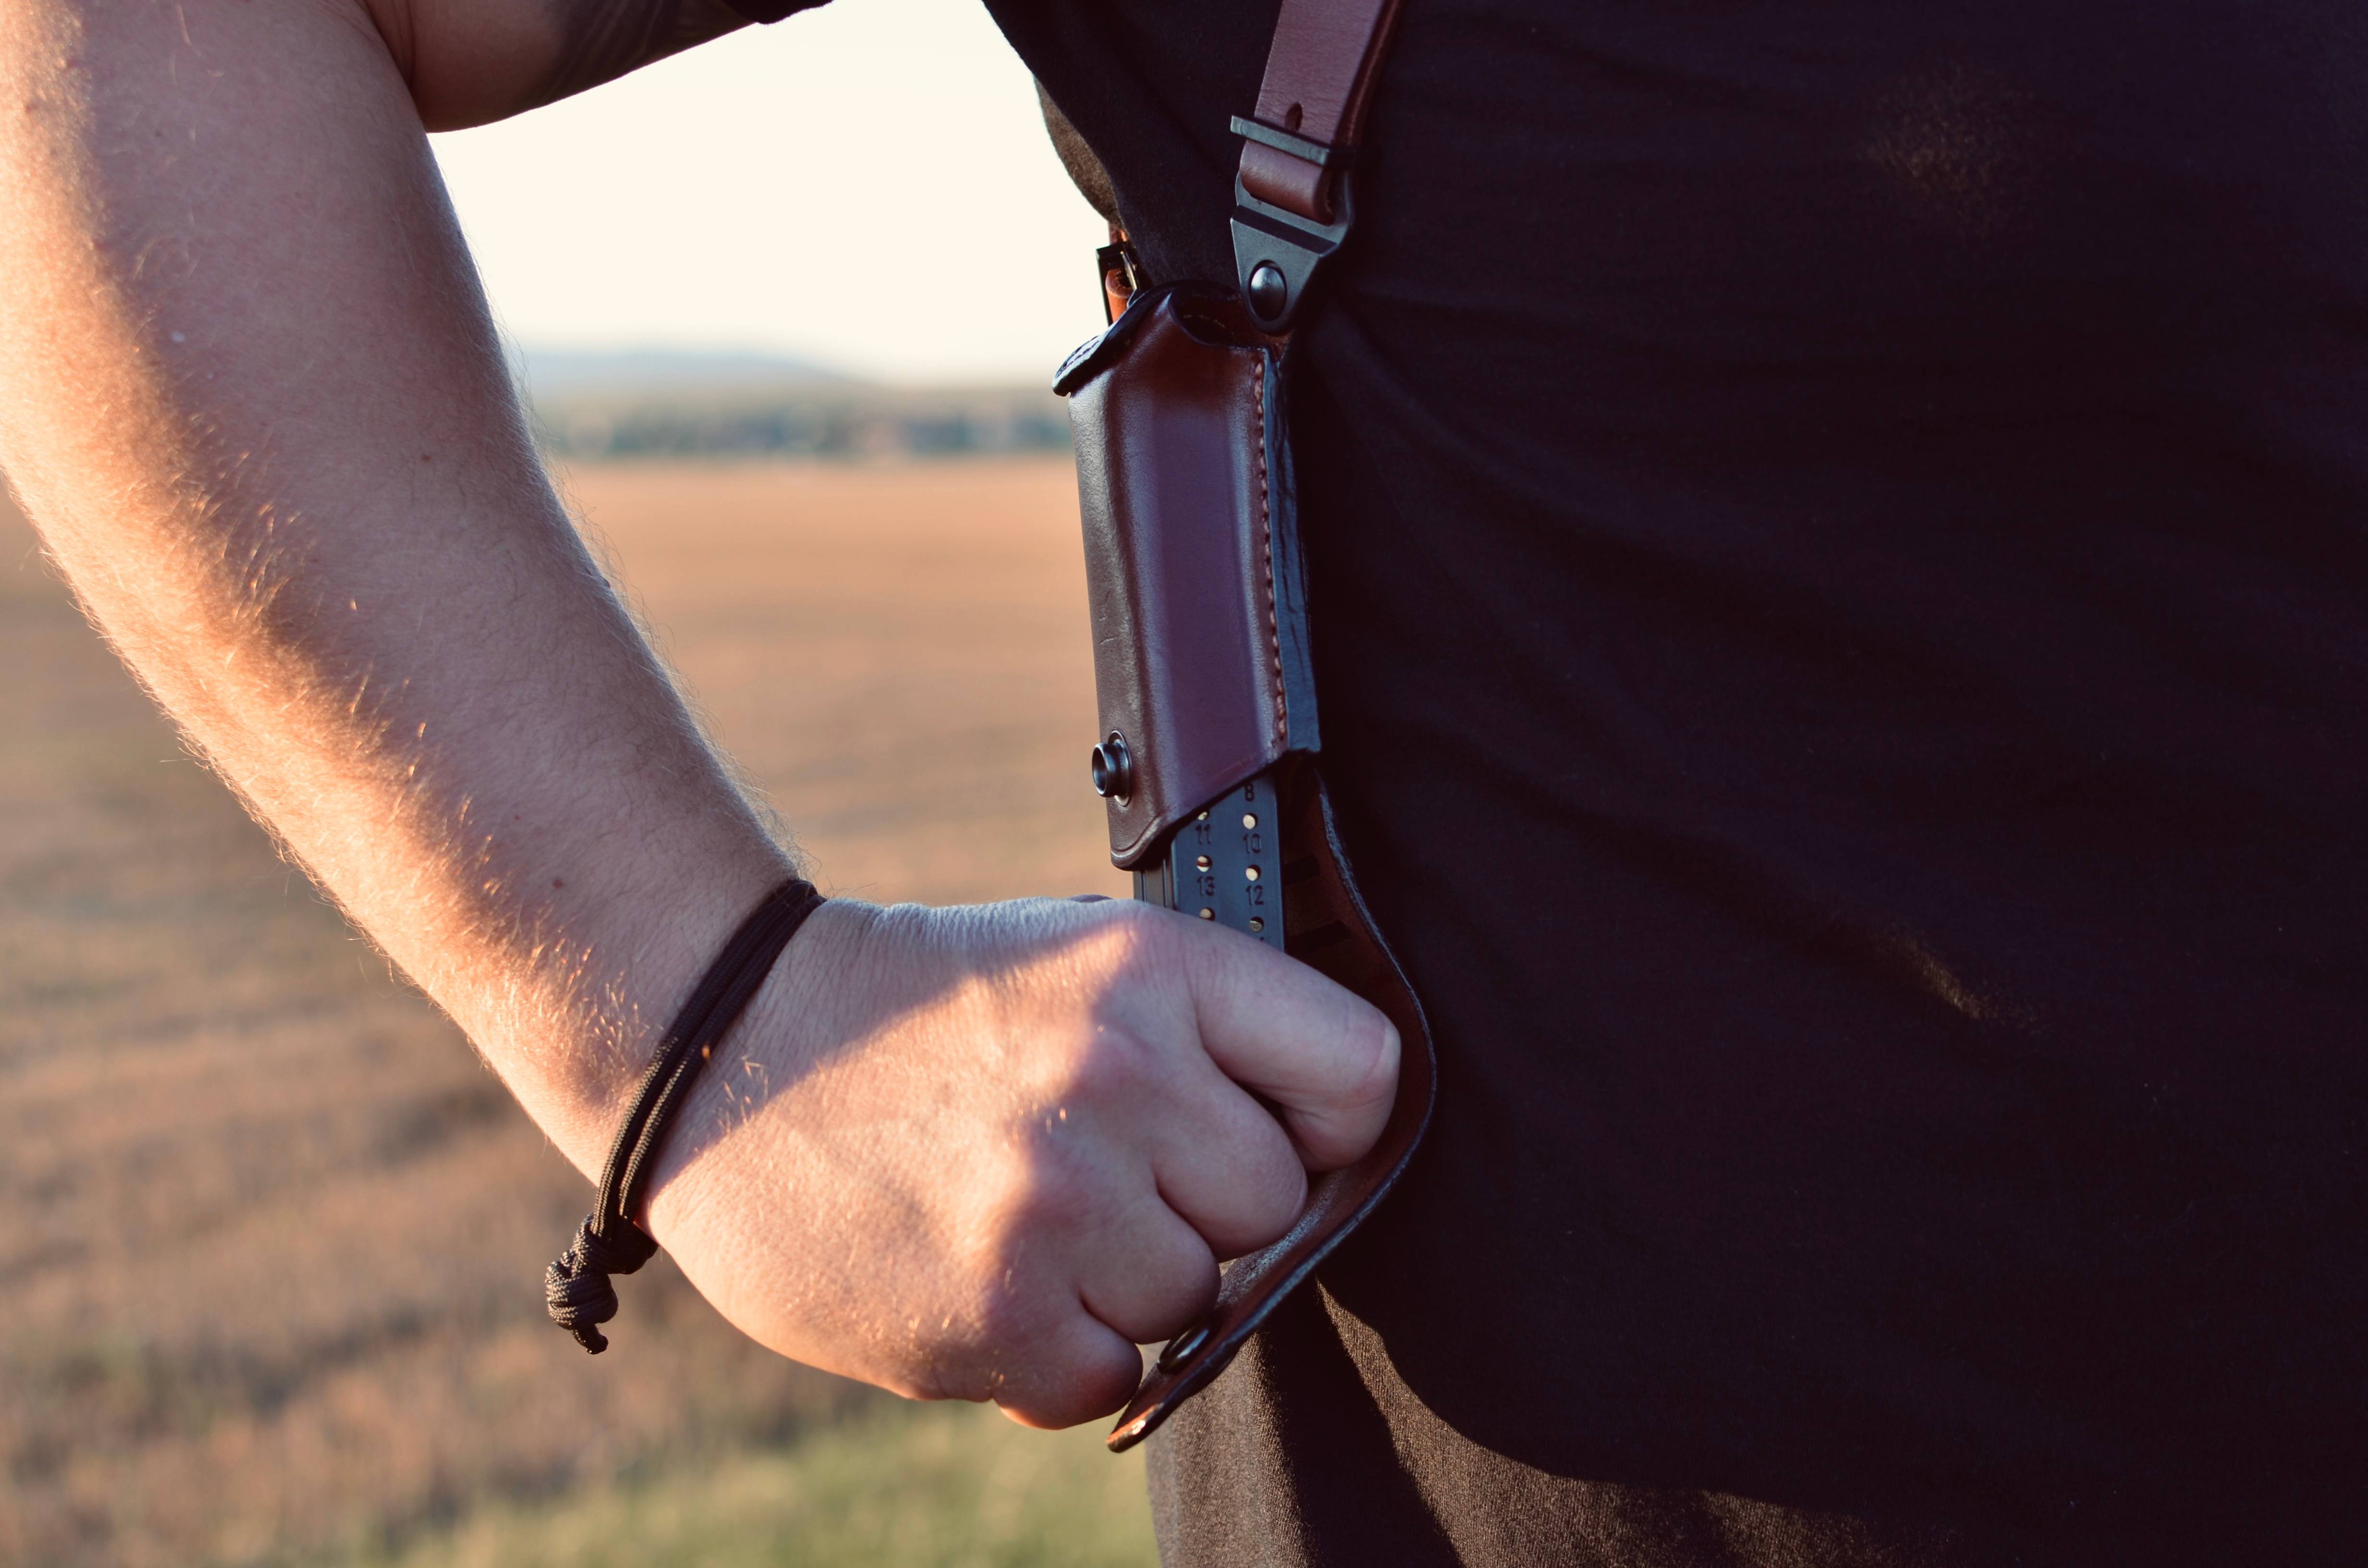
[[271, 1239]]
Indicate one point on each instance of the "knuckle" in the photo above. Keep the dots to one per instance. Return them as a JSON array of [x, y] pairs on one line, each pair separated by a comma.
[[1283, 1193], [1150, 937], [1179, 1266], [1374, 1055], [1010, 1321], [1036, 1201], [1050, 1202], [1055, 1369], [1191, 1287], [1090, 1387], [1271, 1189], [1115, 1065], [1103, 1376], [1003, 1317]]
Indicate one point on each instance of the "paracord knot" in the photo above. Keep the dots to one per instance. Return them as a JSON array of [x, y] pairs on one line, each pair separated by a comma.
[[577, 1287]]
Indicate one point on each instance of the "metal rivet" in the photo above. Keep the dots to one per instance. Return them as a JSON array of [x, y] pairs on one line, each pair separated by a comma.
[[1113, 768], [1249, 873], [1248, 820], [1269, 291], [1202, 817], [1200, 862], [1208, 915], [1256, 924], [1183, 1347]]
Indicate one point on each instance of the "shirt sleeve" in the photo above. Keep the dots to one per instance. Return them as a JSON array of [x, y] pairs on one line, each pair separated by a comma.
[[771, 10]]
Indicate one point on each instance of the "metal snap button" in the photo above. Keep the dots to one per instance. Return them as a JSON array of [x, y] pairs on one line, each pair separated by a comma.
[[1113, 769], [1269, 291]]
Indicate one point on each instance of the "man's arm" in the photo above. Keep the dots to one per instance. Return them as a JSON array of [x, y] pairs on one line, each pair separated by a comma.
[[250, 393]]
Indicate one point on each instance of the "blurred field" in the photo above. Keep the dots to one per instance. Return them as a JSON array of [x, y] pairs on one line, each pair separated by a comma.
[[271, 1240]]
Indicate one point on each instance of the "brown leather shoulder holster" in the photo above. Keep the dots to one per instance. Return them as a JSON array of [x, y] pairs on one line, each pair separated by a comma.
[[1211, 757]]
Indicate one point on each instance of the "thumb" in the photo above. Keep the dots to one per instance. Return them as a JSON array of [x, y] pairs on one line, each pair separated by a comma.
[[1323, 1056]]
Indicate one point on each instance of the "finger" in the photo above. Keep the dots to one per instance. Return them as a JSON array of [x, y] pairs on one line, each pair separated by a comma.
[[1226, 1166], [1084, 1369], [1327, 1058], [1148, 1273]]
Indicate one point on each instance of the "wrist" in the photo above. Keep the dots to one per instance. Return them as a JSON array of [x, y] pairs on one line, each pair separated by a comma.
[[803, 1010], [587, 987]]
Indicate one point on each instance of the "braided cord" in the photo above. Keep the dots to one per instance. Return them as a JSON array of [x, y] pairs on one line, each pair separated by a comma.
[[576, 1287]]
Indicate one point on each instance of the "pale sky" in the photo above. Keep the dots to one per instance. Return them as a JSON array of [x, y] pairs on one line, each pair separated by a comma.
[[868, 185]]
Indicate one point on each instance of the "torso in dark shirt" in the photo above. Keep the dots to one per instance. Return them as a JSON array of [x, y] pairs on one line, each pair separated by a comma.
[[1840, 548]]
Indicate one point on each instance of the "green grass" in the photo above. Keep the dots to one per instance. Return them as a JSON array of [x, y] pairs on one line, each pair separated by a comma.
[[932, 1486]]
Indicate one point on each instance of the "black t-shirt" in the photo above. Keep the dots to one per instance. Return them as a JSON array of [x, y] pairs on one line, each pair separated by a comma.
[[1838, 538]]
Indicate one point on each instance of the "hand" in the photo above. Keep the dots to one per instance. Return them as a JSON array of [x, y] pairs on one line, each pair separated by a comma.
[[984, 1153]]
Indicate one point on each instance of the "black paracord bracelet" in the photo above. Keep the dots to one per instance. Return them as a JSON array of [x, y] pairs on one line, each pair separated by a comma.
[[576, 1287]]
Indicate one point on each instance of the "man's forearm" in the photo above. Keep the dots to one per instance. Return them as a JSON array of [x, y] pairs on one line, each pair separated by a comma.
[[251, 395], [252, 398]]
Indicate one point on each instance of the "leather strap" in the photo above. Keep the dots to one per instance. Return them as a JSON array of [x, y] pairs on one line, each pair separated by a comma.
[[1201, 672], [1320, 75]]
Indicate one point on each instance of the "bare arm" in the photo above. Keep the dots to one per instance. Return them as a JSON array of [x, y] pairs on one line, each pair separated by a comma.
[[250, 393], [253, 403]]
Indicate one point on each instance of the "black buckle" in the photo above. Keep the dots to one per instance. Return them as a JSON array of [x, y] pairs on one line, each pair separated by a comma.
[[1323, 154], [1277, 252]]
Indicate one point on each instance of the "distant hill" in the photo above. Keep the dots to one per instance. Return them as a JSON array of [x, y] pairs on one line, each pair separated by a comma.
[[597, 404], [567, 372]]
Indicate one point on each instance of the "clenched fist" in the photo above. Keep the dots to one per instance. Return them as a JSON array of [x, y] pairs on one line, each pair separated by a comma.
[[984, 1153]]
